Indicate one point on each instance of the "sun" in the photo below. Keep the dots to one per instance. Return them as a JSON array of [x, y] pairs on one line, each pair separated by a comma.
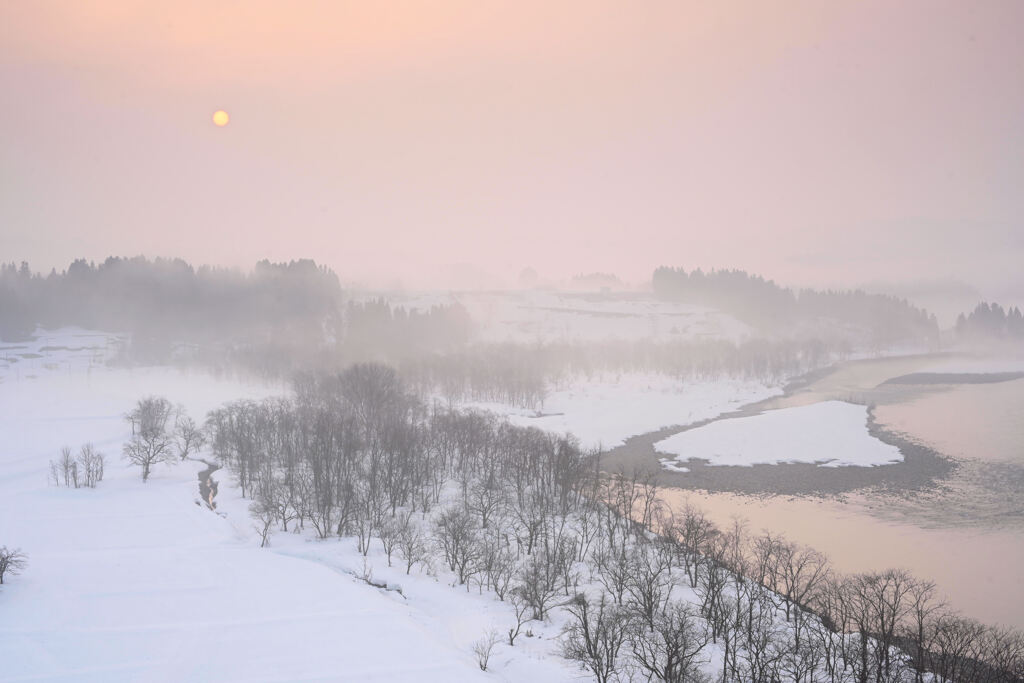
[[220, 117]]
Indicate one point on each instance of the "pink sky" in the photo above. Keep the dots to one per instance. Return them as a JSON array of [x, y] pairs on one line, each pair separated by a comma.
[[827, 143]]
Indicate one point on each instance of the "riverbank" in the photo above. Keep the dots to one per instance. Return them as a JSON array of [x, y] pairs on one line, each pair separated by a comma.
[[951, 515], [922, 467]]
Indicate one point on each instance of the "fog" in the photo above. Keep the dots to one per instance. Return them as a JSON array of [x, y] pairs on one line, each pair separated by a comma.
[[453, 144], [669, 341]]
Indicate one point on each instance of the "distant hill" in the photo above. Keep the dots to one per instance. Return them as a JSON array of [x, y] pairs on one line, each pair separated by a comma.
[[875, 318]]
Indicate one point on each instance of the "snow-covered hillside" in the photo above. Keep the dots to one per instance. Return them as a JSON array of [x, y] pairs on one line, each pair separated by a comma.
[[143, 582], [139, 582]]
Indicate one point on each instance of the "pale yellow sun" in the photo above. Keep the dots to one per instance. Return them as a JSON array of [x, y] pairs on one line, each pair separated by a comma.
[[220, 117]]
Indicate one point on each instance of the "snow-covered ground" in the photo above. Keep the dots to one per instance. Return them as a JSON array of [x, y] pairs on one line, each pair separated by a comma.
[[134, 581], [605, 411], [534, 315], [52, 352], [142, 582], [830, 433]]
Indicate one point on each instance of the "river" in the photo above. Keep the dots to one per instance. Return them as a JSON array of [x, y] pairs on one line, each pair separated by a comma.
[[961, 526]]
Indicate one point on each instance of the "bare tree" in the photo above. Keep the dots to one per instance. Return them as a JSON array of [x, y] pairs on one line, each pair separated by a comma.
[[613, 568], [484, 647], [12, 561], [538, 584], [923, 603], [670, 650], [389, 532], [90, 465], [1006, 647], [521, 606], [889, 593], [84, 470], [150, 443], [955, 647], [189, 438], [831, 630], [801, 571], [411, 543], [65, 469], [648, 582], [596, 634], [498, 564], [266, 515], [695, 532], [456, 535]]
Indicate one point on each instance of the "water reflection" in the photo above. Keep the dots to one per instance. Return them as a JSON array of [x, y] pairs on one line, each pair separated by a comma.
[[978, 570], [966, 534]]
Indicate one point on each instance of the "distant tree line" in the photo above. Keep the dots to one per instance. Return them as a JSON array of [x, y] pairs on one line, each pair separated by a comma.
[[275, 319], [522, 374], [280, 319], [762, 303], [991, 322], [375, 330], [167, 299], [531, 518]]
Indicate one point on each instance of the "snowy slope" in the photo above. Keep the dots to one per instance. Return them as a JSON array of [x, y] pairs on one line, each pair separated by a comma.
[[831, 433], [135, 581]]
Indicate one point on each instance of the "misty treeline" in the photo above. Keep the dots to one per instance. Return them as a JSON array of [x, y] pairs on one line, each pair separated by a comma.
[[522, 374], [167, 299], [644, 592], [882, 320], [991, 322], [275, 319], [280, 319]]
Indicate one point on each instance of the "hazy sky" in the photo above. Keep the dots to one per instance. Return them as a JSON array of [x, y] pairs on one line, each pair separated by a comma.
[[815, 142]]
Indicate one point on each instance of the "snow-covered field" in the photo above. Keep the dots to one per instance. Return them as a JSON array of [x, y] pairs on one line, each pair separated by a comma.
[[605, 411], [534, 315], [830, 433], [134, 581]]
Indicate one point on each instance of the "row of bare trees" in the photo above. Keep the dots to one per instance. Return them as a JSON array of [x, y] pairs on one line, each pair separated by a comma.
[[774, 610], [529, 516], [877, 626], [520, 374], [82, 470]]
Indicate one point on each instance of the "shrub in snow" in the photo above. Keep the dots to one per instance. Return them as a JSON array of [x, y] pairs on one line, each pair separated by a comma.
[[12, 562], [484, 647]]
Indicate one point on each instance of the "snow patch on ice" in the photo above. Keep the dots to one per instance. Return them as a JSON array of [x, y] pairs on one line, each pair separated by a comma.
[[604, 412], [830, 434]]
